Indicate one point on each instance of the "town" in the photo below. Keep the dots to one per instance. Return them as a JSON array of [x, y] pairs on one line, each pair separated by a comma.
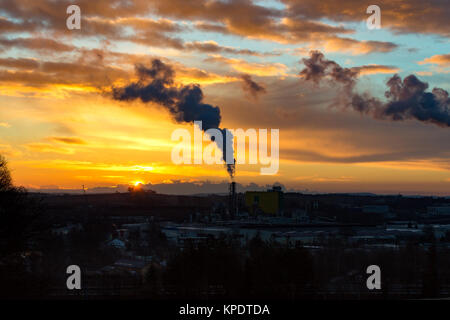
[[258, 243]]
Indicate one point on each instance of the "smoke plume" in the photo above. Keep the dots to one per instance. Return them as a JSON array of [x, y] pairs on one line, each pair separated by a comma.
[[185, 103], [317, 68], [405, 99], [251, 86], [156, 84]]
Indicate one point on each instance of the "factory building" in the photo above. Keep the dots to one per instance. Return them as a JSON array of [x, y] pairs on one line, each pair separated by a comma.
[[439, 210], [268, 202]]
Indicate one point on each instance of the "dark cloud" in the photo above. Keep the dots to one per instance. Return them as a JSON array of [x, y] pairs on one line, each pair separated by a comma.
[[39, 44], [111, 19], [19, 63], [251, 86], [407, 99], [122, 21], [212, 27], [374, 68], [318, 68], [156, 84], [304, 155], [213, 47], [68, 140], [8, 26], [412, 16], [96, 68]]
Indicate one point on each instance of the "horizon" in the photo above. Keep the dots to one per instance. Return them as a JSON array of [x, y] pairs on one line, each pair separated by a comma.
[[203, 188]]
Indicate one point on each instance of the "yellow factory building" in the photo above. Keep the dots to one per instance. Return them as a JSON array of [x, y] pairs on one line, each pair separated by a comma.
[[268, 202]]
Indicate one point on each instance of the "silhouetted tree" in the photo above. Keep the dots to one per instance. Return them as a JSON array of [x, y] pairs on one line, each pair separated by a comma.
[[5, 176], [19, 237], [18, 214]]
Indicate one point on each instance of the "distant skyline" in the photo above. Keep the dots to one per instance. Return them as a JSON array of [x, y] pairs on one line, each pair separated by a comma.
[[62, 127], [203, 188]]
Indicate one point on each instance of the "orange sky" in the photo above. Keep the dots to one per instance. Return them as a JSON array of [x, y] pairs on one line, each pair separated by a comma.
[[60, 127]]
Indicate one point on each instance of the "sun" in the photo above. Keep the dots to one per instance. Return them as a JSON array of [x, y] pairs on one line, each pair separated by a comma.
[[136, 183]]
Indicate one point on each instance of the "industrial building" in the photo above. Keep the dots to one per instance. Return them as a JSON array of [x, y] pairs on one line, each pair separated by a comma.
[[439, 210], [268, 202]]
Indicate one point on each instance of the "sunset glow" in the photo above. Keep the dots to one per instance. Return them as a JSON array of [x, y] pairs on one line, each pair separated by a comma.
[[62, 127]]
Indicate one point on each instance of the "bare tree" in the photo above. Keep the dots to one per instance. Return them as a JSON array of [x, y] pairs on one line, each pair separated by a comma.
[[5, 176]]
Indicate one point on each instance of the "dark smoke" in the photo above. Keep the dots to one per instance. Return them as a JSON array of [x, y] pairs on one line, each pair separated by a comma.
[[317, 68], [407, 99], [185, 103], [228, 144], [251, 86], [156, 84]]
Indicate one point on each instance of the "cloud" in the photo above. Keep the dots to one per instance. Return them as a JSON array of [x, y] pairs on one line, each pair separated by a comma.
[[89, 71], [239, 17], [213, 47], [303, 155], [116, 35], [246, 19], [8, 26], [439, 59], [19, 63], [414, 16], [38, 44], [9, 151], [145, 31], [424, 73], [187, 75], [211, 27], [375, 69], [440, 62], [68, 140], [355, 47], [73, 75], [253, 68], [46, 148]]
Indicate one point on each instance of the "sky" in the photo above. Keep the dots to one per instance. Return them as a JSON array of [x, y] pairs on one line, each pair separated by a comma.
[[312, 69]]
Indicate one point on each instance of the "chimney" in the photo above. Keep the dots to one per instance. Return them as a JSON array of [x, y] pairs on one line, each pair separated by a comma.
[[232, 200]]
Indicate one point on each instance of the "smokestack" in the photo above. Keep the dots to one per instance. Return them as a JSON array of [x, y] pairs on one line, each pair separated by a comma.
[[185, 103], [228, 152], [232, 200]]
